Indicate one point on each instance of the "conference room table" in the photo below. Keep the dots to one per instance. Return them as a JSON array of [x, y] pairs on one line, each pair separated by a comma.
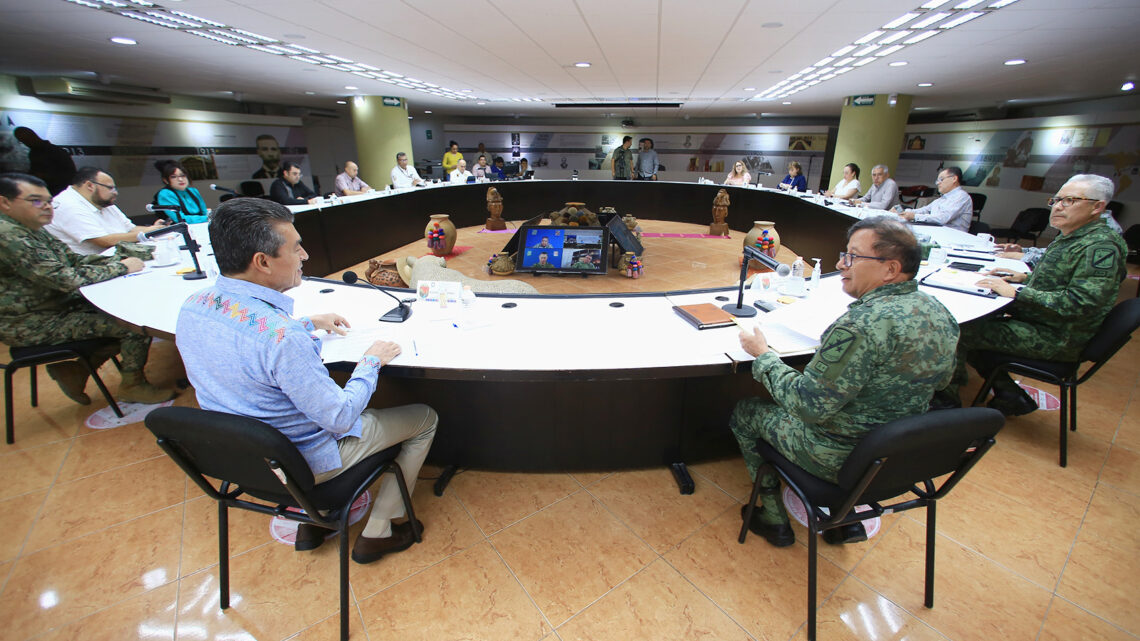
[[550, 382]]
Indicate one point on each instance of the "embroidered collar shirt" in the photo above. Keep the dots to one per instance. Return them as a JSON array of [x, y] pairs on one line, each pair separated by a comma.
[[246, 354]]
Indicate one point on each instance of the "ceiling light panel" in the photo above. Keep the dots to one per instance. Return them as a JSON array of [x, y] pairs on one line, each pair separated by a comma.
[[159, 16], [912, 27]]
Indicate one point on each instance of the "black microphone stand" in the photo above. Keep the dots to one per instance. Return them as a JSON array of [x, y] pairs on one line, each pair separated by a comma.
[[750, 253], [398, 314], [191, 245]]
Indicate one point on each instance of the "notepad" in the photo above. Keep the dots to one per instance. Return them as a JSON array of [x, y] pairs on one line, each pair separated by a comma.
[[704, 315], [957, 280], [785, 340]]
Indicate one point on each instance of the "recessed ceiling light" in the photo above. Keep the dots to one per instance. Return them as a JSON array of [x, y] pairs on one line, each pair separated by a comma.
[[750, 88], [772, 25], [466, 90], [427, 111], [581, 65], [1014, 62], [926, 84], [119, 40], [1128, 86], [409, 117], [898, 63], [310, 93], [351, 88], [480, 103], [787, 103], [342, 102]]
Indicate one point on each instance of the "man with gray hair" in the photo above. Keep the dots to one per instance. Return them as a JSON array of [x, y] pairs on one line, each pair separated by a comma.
[[402, 175], [1059, 306], [884, 192], [246, 354]]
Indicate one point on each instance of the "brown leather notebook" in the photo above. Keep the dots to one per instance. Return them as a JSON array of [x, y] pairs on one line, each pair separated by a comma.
[[704, 315]]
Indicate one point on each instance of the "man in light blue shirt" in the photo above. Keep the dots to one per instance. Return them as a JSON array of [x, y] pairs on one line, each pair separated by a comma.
[[245, 354], [954, 209], [646, 161]]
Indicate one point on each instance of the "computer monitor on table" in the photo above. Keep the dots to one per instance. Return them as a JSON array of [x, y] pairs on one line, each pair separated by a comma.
[[558, 249]]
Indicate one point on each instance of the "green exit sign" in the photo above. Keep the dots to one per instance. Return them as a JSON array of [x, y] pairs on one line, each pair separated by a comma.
[[863, 101], [390, 101]]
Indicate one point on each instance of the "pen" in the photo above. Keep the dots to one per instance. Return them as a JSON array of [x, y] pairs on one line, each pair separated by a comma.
[[415, 349]]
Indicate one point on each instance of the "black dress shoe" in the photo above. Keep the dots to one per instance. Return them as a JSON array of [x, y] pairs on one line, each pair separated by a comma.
[[944, 401], [1015, 404], [367, 550], [310, 537], [850, 533], [779, 535]]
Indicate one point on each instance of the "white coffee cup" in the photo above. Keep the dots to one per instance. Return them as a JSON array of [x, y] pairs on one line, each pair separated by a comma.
[[937, 255], [989, 238]]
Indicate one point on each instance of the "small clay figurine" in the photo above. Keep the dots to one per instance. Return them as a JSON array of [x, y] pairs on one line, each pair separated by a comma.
[[720, 213], [495, 207]]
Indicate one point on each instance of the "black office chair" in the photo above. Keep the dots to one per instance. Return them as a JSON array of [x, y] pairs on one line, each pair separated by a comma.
[[1029, 223], [903, 456], [1113, 334], [979, 201], [251, 188], [978, 227], [909, 196], [87, 352], [250, 457]]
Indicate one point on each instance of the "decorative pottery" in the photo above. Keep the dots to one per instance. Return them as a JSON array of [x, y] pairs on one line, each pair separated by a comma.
[[440, 234], [502, 264], [383, 274], [764, 237]]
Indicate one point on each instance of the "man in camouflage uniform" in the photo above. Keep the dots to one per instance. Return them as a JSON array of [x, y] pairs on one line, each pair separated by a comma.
[[1064, 299], [40, 303], [880, 361]]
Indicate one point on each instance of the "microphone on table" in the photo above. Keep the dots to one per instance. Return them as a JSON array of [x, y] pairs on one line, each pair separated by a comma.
[[397, 315], [191, 245], [225, 189], [161, 209]]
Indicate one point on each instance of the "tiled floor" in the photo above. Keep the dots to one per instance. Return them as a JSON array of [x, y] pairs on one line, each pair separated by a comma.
[[103, 538]]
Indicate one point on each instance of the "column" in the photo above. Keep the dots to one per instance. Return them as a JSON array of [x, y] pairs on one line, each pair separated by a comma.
[[381, 132], [871, 133]]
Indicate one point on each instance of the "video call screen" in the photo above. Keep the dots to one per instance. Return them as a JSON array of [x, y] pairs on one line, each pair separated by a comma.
[[563, 249]]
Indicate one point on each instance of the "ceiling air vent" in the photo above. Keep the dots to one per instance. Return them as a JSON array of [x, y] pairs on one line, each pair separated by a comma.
[[95, 92]]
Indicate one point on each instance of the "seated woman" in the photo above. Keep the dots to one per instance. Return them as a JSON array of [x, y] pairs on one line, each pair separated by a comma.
[[849, 186], [738, 176], [795, 180], [178, 193]]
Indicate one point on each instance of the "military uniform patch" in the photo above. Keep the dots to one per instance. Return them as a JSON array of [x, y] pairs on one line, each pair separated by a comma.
[[836, 351], [1103, 257]]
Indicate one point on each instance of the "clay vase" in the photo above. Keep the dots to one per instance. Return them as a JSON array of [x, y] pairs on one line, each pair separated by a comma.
[[757, 235], [438, 223]]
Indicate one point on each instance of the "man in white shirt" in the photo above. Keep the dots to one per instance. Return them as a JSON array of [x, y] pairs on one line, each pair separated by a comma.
[[460, 174], [954, 209], [884, 192], [348, 182], [403, 175], [86, 218]]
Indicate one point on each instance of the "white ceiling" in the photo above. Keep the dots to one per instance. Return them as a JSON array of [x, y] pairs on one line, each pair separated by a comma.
[[702, 54]]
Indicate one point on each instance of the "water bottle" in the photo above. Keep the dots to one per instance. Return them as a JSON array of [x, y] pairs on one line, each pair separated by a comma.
[[467, 298], [815, 275]]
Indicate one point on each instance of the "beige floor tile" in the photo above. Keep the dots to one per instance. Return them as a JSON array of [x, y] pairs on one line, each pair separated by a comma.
[[657, 604], [1032, 542], [470, 596], [31, 469], [35, 427], [729, 475], [570, 554], [649, 503], [857, 613], [974, 598], [19, 514], [447, 530], [1113, 517], [1067, 622], [849, 555], [103, 450], [586, 479], [1100, 578], [329, 629], [58, 585], [149, 617], [761, 587], [110, 497], [1037, 481], [497, 499], [274, 593], [200, 534], [1122, 470]]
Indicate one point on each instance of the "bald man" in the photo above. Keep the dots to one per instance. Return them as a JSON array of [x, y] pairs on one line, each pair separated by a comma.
[[348, 182]]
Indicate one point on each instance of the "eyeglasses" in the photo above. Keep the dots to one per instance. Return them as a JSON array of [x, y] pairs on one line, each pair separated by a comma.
[[109, 187], [848, 258], [1067, 201], [177, 176], [40, 203]]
